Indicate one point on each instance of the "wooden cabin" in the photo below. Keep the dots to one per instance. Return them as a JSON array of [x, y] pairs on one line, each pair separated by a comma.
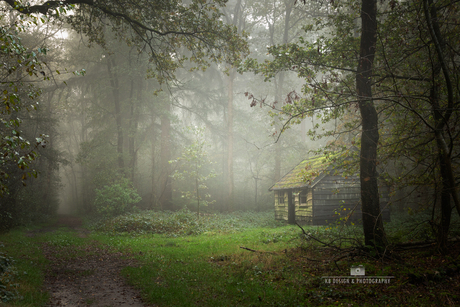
[[318, 192]]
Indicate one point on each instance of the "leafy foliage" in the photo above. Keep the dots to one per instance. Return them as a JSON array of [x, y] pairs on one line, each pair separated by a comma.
[[116, 199], [192, 169], [185, 222], [19, 65], [27, 124], [8, 286], [161, 29]]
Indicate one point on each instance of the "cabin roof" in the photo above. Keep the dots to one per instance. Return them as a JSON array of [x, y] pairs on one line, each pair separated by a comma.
[[308, 173]]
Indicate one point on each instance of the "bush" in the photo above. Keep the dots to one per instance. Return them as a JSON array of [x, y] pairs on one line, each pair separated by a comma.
[[184, 222], [8, 289], [116, 199]]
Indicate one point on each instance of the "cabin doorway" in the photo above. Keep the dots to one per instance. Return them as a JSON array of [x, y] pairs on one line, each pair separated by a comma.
[[291, 208]]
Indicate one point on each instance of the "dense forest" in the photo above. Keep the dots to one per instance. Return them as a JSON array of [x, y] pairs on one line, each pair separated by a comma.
[[97, 104], [112, 107]]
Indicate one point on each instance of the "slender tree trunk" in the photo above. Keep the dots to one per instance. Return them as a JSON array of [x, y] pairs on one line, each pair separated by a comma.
[[118, 122], [131, 132], [49, 168], [197, 185], [303, 131], [374, 233], [133, 124], [279, 143], [153, 202], [85, 203], [441, 117], [446, 208], [231, 78], [279, 91], [444, 166], [230, 183], [75, 202], [291, 208], [165, 179]]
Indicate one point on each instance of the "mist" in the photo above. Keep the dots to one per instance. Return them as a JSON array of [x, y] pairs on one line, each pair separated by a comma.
[[276, 143]]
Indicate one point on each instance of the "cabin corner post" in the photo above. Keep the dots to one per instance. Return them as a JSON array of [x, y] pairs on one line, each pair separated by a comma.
[[291, 207]]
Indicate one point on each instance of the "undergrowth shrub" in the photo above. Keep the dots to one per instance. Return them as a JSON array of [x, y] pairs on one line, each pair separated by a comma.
[[116, 199], [406, 227], [185, 222], [8, 291]]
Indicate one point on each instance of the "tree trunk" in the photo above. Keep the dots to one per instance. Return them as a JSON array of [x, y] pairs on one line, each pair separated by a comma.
[[446, 209], [279, 91], [374, 233], [117, 104], [49, 170], [131, 133], [231, 78], [279, 143], [153, 201], [444, 165], [165, 179], [230, 183], [449, 187], [133, 124], [291, 208], [197, 186]]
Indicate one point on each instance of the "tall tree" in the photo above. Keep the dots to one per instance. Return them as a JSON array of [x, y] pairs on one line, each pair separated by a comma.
[[235, 19], [374, 233], [160, 29], [114, 83], [423, 89], [165, 197], [328, 63]]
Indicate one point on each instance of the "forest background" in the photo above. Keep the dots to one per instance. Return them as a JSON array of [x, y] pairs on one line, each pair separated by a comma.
[[115, 104]]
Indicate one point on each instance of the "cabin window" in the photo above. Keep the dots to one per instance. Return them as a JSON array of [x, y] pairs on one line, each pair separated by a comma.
[[281, 198], [303, 197]]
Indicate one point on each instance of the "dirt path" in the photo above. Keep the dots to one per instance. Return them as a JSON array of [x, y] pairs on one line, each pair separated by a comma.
[[88, 275]]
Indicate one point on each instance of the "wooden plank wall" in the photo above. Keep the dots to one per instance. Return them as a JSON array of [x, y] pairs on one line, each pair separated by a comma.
[[335, 196], [281, 210], [304, 211], [332, 194]]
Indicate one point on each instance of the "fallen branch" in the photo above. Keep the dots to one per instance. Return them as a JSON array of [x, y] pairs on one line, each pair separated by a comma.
[[262, 252], [421, 244], [350, 252], [315, 260], [316, 239]]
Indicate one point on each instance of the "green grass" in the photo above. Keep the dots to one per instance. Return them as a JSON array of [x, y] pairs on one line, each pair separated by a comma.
[[208, 270], [23, 281], [25, 278], [185, 261], [184, 223]]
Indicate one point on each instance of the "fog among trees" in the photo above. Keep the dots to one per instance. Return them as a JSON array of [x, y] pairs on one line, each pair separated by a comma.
[[121, 106], [229, 153]]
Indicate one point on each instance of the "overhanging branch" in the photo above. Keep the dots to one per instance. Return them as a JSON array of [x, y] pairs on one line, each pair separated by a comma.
[[50, 5]]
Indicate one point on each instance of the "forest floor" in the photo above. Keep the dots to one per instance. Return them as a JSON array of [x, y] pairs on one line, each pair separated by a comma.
[[85, 275], [240, 259]]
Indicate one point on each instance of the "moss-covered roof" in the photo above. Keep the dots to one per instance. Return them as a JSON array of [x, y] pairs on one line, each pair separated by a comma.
[[307, 173]]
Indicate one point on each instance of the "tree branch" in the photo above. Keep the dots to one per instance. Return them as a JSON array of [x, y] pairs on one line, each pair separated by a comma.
[[49, 5]]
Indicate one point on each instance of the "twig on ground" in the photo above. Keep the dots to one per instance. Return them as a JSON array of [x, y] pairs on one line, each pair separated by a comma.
[[317, 240], [262, 252]]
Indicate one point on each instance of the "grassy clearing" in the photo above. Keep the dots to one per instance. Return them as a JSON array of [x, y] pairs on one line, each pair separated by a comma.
[[211, 269], [185, 261], [185, 223], [207, 270], [22, 282]]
